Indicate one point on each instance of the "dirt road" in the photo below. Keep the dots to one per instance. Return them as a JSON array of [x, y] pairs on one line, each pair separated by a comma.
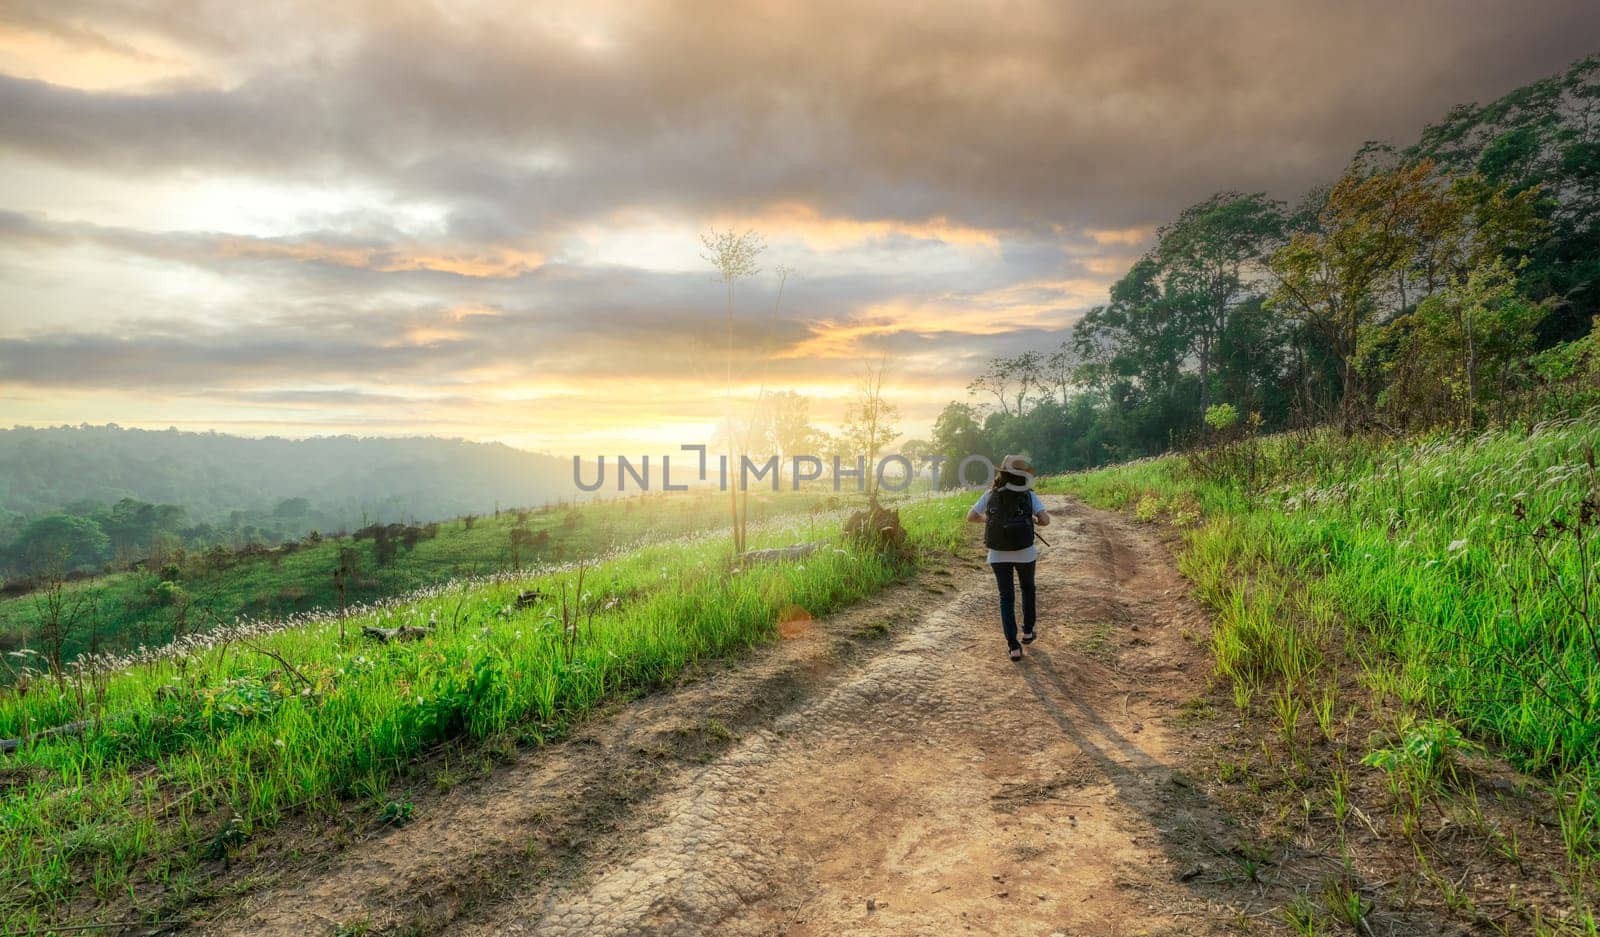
[[887, 771]]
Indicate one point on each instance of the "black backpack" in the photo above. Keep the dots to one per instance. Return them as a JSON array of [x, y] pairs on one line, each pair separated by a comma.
[[1009, 525]]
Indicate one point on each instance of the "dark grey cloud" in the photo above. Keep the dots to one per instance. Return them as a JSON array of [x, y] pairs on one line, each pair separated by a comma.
[[1017, 115]]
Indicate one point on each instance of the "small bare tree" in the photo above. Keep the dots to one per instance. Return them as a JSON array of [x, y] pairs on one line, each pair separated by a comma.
[[521, 538], [869, 423], [733, 255], [59, 608], [344, 572]]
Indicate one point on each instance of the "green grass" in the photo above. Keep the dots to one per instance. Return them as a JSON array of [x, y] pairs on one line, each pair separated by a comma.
[[191, 756], [1414, 558], [129, 610]]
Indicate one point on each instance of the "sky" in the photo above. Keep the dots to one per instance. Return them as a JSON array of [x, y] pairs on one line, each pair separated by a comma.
[[482, 219]]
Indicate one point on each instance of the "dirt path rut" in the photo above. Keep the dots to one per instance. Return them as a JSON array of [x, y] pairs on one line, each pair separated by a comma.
[[920, 784]]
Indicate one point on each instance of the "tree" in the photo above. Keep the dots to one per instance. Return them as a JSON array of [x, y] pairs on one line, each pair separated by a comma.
[[521, 539], [733, 255], [956, 435], [63, 541], [1059, 369], [869, 423], [131, 525], [346, 568], [1142, 333], [1332, 280], [292, 508], [1010, 380], [782, 426], [1463, 349], [1206, 257], [1543, 136]]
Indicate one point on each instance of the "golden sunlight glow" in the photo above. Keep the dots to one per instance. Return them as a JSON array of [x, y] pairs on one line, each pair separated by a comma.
[[824, 233], [491, 263], [90, 61], [1042, 304], [442, 246], [1131, 237]]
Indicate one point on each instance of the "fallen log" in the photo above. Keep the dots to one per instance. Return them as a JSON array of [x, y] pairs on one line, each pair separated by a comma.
[[403, 633], [778, 554], [7, 746]]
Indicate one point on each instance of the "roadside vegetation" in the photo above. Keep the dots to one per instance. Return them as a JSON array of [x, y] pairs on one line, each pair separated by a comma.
[[172, 763], [1396, 608], [190, 592], [1379, 409]]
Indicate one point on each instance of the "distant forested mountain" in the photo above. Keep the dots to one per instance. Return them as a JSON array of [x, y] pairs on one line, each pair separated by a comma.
[[105, 490]]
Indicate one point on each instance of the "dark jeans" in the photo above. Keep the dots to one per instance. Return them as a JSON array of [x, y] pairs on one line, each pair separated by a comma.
[[1008, 599]]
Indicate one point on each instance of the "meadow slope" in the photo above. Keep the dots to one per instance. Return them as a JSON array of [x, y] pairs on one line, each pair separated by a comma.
[[180, 758]]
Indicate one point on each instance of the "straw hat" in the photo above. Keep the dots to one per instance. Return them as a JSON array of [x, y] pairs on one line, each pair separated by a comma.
[[1018, 465]]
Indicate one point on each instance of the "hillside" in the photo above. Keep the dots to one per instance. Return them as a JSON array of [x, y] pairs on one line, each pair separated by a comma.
[[1453, 281], [245, 727], [194, 591], [233, 489]]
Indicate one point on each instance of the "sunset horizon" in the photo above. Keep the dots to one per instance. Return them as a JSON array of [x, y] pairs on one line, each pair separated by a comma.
[[485, 221]]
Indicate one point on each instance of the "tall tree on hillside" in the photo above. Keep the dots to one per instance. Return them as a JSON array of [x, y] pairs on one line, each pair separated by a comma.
[[1010, 381], [1059, 371], [1544, 136], [1333, 279], [1142, 333], [1464, 348], [1385, 242], [1207, 256]]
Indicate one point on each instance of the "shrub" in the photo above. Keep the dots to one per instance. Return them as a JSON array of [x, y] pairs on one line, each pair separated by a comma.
[[1222, 417], [1426, 753], [169, 593]]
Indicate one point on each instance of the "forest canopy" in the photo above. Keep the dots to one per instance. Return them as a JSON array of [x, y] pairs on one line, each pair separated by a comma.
[[1454, 282]]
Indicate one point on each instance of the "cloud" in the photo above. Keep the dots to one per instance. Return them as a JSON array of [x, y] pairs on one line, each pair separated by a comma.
[[306, 208], [218, 250], [1024, 114]]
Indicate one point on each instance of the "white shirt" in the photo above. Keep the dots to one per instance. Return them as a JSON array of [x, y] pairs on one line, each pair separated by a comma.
[[1011, 556]]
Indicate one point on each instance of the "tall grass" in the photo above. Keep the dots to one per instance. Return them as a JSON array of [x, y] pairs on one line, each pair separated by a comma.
[[1461, 569], [187, 757], [280, 583]]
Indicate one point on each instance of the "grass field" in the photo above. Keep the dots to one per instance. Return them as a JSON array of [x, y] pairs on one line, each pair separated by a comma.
[[129, 609], [186, 758], [1457, 575]]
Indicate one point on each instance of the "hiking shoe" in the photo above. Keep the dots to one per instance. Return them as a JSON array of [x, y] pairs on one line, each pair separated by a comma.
[[1028, 634], [1016, 653]]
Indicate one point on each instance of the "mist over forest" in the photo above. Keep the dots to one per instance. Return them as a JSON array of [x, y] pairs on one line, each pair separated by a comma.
[[117, 489]]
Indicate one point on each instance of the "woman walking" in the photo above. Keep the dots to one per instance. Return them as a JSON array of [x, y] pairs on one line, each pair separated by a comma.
[[1009, 510]]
